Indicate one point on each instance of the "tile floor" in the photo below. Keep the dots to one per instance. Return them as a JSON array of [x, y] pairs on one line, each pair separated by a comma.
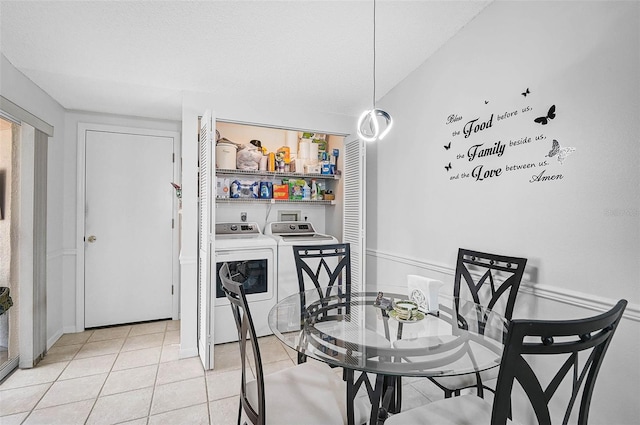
[[132, 375]]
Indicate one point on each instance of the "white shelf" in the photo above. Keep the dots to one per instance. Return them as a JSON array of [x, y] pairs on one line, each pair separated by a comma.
[[274, 174], [272, 201]]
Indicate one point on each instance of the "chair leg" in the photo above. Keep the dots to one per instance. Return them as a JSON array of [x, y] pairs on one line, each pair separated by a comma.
[[239, 412]]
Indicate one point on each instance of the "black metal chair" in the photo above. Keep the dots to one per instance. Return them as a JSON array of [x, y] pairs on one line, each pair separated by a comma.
[[489, 280], [309, 393], [322, 267], [577, 346]]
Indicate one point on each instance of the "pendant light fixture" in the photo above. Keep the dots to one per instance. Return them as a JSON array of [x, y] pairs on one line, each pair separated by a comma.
[[374, 123]]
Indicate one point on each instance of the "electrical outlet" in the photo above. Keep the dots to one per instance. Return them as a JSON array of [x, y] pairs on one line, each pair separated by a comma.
[[243, 216]]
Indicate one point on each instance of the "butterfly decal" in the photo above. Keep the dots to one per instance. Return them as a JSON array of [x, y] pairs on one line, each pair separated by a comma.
[[559, 152], [448, 167], [526, 92], [486, 102], [447, 146], [550, 115]]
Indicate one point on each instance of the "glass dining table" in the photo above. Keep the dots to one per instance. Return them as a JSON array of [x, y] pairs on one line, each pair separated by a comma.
[[363, 334]]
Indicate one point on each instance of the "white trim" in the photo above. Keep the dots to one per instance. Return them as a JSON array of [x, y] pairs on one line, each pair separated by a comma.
[[54, 338], [562, 295], [185, 261], [52, 255], [80, 209], [17, 112]]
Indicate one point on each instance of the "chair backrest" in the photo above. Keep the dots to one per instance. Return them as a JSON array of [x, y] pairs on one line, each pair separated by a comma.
[[325, 267], [488, 279], [235, 293], [578, 346]]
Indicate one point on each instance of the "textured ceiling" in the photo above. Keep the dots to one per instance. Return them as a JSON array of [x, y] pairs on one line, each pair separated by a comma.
[[135, 58]]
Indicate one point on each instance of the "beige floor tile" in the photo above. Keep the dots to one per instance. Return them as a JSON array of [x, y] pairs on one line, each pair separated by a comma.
[[193, 415], [117, 332], [16, 419], [425, 387], [223, 384], [121, 407], [227, 356], [100, 348], [269, 368], [171, 337], [179, 394], [66, 414], [61, 353], [130, 379], [170, 353], [271, 350], [72, 390], [137, 358], [73, 339], [22, 399], [173, 325], [138, 342], [141, 421], [179, 370], [40, 374], [148, 328], [225, 411], [412, 398], [90, 366]]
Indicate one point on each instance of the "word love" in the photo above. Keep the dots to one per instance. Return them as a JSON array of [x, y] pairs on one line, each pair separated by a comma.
[[475, 151], [472, 127], [480, 174]]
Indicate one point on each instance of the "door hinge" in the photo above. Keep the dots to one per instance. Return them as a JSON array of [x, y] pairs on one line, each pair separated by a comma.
[[173, 157], [171, 289], [172, 222]]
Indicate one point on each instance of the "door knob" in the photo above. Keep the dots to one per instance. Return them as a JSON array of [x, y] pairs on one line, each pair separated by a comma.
[[91, 239]]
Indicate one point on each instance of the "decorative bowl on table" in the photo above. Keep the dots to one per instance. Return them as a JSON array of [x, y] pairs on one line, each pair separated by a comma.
[[405, 309]]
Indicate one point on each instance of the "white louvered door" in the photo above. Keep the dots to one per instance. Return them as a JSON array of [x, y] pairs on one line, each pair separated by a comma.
[[354, 224], [205, 248]]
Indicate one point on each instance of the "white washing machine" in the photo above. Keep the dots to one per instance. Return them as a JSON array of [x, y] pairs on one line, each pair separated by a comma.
[[252, 259], [288, 234]]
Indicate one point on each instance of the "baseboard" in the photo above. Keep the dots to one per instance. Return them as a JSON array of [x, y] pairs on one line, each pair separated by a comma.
[[188, 352], [54, 338], [555, 293]]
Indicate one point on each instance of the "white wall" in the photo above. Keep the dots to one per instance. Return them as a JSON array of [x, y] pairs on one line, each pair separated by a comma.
[[581, 233], [20, 90]]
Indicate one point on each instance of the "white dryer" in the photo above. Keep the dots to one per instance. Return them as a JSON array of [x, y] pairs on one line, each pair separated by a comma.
[[288, 234], [252, 259]]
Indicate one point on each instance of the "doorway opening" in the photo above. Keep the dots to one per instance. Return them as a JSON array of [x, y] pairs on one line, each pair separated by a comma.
[[9, 342]]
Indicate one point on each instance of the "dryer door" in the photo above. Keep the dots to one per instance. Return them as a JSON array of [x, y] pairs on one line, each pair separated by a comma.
[[255, 268]]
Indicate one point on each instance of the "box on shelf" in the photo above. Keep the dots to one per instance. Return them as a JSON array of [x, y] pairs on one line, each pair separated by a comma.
[[222, 187], [280, 191]]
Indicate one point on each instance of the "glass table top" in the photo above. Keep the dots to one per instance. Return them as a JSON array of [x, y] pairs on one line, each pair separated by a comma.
[[352, 330]]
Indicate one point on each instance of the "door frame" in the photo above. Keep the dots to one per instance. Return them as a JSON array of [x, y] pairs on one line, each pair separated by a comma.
[[80, 210]]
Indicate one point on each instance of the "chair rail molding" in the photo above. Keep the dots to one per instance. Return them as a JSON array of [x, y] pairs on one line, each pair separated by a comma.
[[551, 292]]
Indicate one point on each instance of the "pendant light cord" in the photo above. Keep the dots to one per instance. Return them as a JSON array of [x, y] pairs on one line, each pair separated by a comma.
[[374, 55]]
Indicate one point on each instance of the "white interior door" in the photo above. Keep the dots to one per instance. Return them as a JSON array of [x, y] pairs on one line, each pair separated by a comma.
[[128, 228]]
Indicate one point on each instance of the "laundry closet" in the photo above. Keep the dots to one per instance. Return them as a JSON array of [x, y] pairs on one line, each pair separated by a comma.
[[310, 181]]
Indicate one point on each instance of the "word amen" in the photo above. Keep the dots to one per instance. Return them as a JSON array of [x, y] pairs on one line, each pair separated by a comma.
[[470, 127], [480, 175], [497, 149], [542, 178]]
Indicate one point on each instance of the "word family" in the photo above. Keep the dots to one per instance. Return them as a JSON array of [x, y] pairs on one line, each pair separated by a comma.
[[474, 151]]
